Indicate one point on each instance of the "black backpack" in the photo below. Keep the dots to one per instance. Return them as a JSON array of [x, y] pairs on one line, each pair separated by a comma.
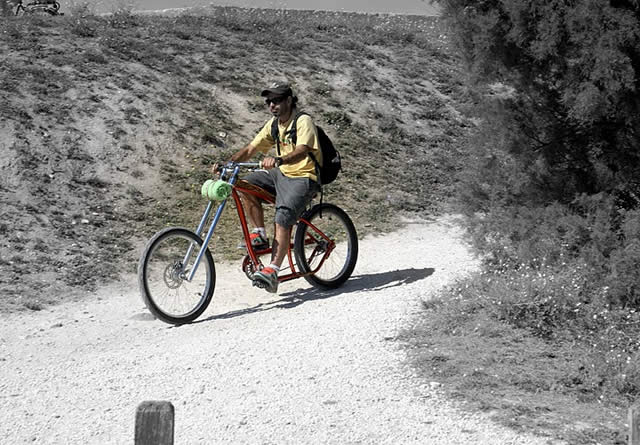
[[331, 162]]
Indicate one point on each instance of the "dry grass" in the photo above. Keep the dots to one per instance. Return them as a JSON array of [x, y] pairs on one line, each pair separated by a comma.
[[565, 386]]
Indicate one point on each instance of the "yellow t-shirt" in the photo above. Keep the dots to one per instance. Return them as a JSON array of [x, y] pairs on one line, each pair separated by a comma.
[[306, 135]]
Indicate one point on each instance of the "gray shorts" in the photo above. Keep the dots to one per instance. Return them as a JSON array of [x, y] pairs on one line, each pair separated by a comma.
[[292, 194]]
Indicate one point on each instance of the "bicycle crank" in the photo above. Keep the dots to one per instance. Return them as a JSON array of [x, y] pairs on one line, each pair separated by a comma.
[[248, 267]]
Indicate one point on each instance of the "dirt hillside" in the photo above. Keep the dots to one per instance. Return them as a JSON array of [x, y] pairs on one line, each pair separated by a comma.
[[109, 124]]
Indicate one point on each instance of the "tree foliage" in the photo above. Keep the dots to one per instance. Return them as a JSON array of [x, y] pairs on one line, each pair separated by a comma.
[[553, 174], [574, 112], [6, 8]]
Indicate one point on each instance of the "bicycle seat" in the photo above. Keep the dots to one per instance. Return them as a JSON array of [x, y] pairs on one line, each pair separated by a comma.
[[247, 185]]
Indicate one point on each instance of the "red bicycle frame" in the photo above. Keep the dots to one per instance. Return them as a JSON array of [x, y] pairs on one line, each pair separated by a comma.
[[246, 188]]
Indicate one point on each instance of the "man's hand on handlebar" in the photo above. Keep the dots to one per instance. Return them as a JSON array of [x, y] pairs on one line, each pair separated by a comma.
[[216, 168]]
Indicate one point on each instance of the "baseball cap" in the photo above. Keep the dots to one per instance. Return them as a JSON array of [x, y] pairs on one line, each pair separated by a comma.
[[278, 89]]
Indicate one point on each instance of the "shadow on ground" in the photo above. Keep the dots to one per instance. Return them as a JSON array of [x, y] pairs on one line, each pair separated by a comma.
[[357, 283]]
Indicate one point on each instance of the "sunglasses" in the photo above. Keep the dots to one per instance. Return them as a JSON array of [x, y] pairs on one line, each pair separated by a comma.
[[275, 101]]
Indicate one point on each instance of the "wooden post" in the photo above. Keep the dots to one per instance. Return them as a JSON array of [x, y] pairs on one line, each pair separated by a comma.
[[634, 425], [154, 423]]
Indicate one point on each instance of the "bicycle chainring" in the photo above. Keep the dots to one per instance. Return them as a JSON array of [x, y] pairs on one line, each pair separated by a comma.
[[248, 267]]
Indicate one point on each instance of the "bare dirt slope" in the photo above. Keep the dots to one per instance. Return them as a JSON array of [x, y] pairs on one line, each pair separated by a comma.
[[299, 367], [108, 126]]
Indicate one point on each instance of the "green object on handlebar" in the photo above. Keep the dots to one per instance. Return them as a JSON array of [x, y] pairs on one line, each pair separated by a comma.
[[205, 188], [220, 190], [216, 191]]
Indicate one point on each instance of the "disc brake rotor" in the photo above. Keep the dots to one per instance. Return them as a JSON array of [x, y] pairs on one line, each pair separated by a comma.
[[173, 275]]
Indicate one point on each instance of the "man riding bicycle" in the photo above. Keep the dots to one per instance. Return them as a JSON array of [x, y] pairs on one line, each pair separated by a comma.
[[291, 176]]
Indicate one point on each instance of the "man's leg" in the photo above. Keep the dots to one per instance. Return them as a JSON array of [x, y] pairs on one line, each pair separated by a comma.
[[268, 276], [254, 210], [280, 244], [293, 195], [255, 214]]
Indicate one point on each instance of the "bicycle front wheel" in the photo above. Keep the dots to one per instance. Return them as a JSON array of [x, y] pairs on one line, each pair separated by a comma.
[[326, 246], [163, 272]]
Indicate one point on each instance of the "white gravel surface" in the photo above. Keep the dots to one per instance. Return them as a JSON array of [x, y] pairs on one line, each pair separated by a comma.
[[300, 367]]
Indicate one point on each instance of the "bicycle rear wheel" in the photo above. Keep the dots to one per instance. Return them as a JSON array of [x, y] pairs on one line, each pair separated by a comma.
[[43, 10], [326, 246], [163, 273]]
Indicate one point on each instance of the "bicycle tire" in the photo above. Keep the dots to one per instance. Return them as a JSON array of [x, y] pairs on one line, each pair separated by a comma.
[[41, 9], [339, 264], [161, 261]]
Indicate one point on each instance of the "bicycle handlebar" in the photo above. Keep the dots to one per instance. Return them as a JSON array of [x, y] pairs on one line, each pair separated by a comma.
[[249, 164], [231, 165], [229, 170]]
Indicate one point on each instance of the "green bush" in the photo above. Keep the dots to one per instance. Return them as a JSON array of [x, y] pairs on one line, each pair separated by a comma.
[[122, 16], [82, 19], [623, 279], [592, 231], [6, 8]]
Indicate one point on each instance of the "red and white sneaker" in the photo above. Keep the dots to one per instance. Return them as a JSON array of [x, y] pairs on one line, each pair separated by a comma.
[[258, 242], [267, 278]]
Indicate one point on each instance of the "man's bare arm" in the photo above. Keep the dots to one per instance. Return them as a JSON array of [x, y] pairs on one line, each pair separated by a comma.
[[244, 154], [298, 154]]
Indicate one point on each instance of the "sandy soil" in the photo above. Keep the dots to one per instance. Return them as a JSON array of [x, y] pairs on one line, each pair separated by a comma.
[[298, 367]]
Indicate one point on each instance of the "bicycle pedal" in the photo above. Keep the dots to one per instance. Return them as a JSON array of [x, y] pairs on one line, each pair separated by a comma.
[[259, 284]]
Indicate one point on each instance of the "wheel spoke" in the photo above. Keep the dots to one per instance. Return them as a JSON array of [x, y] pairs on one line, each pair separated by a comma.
[[165, 289], [327, 246]]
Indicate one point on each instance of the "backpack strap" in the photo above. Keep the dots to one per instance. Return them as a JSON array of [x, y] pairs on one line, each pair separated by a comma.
[[293, 132], [275, 133]]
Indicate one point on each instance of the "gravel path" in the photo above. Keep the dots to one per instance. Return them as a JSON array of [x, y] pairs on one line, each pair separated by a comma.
[[299, 367]]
